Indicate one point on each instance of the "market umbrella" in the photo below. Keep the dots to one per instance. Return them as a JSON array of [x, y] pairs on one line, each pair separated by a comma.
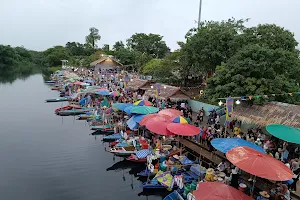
[[128, 109], [115, 94], [225, 144], [121, 106], [138, 118], [158, 126], [132, 124], [180, 120], [103, 92], [183, 129], [218, 191], [171, 112], [283, 132], [259, 164], [144, 110], [158, 117], [143, 103]]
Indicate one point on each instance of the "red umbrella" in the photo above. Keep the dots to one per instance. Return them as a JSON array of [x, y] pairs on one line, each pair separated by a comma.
[[171, 112], [183, 129], [259, 164], [158, 125], [218, 191], [150, 116]]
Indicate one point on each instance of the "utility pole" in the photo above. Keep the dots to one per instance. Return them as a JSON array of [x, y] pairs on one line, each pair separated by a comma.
[[199, 17]]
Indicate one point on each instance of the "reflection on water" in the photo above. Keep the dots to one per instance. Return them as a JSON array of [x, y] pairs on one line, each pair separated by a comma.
[[46, 157]]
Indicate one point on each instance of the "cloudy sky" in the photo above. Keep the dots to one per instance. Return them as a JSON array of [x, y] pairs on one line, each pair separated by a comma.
[[40, 24]]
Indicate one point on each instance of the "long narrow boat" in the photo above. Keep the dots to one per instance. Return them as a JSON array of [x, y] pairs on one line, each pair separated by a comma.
[[103, 132], [73, 112], [153, 184], [57, 99], [101, 127], [123, 151], [50, 82], [174, 196], [68, 107], [133, 158], [112, 137]]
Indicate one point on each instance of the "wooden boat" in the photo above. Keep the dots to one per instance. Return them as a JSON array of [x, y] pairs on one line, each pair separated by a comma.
[[145, 173], [69, 107], [72, 112], [50, 82], [174, 196], [133, 158], [101, 127], [103, 132], [153, 184], [86, 116], [55, 88], [123, 151], [57, 99], [112, 137]]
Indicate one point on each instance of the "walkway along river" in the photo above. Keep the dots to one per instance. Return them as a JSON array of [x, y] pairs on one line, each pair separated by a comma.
[[46, 157]]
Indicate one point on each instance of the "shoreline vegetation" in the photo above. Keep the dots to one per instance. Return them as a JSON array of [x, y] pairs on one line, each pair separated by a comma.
[[225, 58]]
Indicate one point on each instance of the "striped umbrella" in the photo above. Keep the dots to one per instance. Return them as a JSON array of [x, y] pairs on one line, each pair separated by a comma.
[[115, 94], [180, 120], [143, 103]]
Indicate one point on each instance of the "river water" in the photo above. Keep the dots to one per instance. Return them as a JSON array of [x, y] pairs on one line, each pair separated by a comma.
[[47, 157]]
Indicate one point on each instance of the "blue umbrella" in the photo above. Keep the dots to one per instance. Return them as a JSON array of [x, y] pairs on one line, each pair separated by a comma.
[[88, 81], [132, 124], [121, 106], [226, 144], [138, 118], [103, 92], [128, 109]]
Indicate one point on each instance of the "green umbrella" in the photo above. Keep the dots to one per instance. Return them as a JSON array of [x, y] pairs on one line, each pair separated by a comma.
[[283, 132], [144, 110]]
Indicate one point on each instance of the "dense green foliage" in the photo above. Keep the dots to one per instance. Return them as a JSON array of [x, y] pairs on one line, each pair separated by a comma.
[[232, 59]]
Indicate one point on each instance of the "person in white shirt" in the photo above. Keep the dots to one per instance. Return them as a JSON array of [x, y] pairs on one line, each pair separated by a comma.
[[222, 166]]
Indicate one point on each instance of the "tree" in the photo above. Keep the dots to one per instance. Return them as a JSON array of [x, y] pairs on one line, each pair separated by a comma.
[[269, 35], [151, 44], [125, 56], [92, 38], [53, 56], [255, 70], [8, 57], [210, 45], [106, 49], [118, 46], [76, 48]]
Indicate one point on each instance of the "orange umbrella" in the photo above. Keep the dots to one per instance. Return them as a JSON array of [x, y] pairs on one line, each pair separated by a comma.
[[259, 164], [218, 191], [171, 112]]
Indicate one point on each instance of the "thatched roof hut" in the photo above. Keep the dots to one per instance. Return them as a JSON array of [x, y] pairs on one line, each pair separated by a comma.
[[136, 84], [174, 93], [269, 113]]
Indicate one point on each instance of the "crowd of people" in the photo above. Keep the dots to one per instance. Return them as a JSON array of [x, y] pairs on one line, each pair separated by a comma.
[[209, 124]]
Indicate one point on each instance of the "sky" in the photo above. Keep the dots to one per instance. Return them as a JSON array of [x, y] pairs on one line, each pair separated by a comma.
[[41, 24]]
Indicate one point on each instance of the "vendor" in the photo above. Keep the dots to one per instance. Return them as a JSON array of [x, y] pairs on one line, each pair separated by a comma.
[[222, 166], [209, 176]]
